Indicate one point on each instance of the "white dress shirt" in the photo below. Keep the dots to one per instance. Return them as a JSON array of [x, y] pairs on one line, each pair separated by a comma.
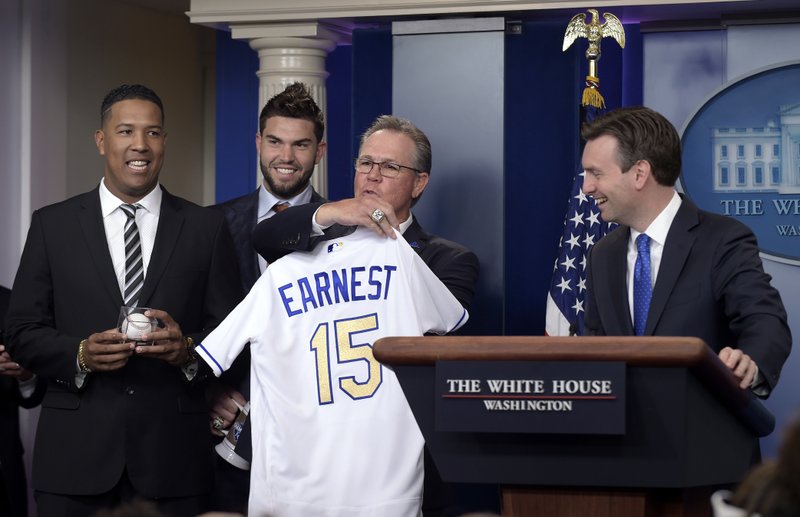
[[657, 231], [114, 222]]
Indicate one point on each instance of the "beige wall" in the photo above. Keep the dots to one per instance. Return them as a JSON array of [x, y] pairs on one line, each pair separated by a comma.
[[111, 43]]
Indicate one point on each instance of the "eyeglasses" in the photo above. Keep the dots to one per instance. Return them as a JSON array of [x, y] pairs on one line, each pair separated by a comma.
[[386, 169]]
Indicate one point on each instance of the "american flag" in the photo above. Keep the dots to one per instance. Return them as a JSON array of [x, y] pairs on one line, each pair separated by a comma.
[[583, 227]]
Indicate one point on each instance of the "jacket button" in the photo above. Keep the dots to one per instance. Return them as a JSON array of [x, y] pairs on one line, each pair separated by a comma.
[[129, 390]]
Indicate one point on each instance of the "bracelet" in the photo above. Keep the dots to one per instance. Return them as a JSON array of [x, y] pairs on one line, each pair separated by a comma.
[[190, 345], [81, 359]]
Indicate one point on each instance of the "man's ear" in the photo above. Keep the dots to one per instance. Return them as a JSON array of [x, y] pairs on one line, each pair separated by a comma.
[[420, 182], [642, 172], [321, 147], [99, 141]]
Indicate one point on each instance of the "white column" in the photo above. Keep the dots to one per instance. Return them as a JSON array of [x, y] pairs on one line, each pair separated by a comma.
[[290, 53]]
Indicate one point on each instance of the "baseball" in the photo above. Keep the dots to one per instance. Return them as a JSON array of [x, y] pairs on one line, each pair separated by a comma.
[[135, 325]]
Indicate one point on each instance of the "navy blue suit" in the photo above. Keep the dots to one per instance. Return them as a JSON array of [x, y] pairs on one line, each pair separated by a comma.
[[711, 285]]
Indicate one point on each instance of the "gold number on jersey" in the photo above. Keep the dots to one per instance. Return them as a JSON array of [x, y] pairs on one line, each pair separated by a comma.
[[346, 351]]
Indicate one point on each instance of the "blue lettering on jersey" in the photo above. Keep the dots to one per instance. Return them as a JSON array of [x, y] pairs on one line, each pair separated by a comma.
[[323, 286], [340, 286], [305, 293], [348, 284], [287, 300], [355, 284], [389, 270]]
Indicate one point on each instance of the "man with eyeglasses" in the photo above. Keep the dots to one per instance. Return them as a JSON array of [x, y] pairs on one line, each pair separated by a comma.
[[392, 171]]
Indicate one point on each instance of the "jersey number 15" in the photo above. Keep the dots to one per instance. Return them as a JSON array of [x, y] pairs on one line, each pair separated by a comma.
[[344, 332]]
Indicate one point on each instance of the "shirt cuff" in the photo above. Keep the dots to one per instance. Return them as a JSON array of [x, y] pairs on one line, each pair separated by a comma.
[[80, 378], [190, 370], [26, 388], [759, 386], [316, 228]]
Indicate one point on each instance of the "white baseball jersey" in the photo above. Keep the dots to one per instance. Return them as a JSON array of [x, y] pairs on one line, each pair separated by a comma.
[[333, 433]]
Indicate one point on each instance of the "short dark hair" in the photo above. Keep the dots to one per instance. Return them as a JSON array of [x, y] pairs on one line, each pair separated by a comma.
[[641, 134], [126, 92], [423, 154], [294, 102]]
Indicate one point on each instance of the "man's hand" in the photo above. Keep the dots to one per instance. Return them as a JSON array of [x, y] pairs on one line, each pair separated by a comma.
[[225, 404], [740, 364], [358, 211], [106, 351], [168, 342], [9, 368]]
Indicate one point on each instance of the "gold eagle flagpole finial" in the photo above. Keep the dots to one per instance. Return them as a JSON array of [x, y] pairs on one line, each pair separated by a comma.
[[594, 31]]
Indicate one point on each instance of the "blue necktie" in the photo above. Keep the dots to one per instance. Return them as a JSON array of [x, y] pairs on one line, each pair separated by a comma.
[[642, 288]]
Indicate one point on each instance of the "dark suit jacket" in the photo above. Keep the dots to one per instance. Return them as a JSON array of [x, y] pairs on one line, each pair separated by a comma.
[[11, 467], [145, 417], [242, 216], [710, 285], [290, 230]]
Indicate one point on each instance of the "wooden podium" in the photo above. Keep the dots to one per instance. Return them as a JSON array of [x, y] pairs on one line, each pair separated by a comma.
[[688, 427]]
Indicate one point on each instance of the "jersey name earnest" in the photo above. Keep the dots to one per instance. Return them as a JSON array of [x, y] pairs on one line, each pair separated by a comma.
[[356, 283]]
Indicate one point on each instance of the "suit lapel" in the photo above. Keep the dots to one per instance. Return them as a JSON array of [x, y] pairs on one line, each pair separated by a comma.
[[242, 227], [676, 252], [315, 197], [617, 280], [90, 219], [170, 222], [416, 237]]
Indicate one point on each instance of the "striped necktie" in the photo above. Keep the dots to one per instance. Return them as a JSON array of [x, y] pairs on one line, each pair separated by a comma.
[[134, 267]]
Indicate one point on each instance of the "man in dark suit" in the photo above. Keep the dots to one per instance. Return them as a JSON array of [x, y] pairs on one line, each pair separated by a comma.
[[18, 388], [290, 144], [392, 171], [699, 272], [120, 419]]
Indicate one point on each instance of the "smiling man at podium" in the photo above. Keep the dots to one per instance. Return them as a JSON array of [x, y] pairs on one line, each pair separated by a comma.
[[672, 269]]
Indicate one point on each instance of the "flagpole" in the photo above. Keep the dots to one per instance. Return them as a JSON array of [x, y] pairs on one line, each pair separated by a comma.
[[594, 31], [583, 226]]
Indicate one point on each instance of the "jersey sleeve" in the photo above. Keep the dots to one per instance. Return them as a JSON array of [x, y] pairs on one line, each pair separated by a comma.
[[241, 326], [436, 308]]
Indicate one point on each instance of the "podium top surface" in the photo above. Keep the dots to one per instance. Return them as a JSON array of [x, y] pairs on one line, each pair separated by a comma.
[[637, 351]]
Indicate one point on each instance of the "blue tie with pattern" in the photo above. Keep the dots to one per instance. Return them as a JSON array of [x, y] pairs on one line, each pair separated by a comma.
[[642, 287]]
